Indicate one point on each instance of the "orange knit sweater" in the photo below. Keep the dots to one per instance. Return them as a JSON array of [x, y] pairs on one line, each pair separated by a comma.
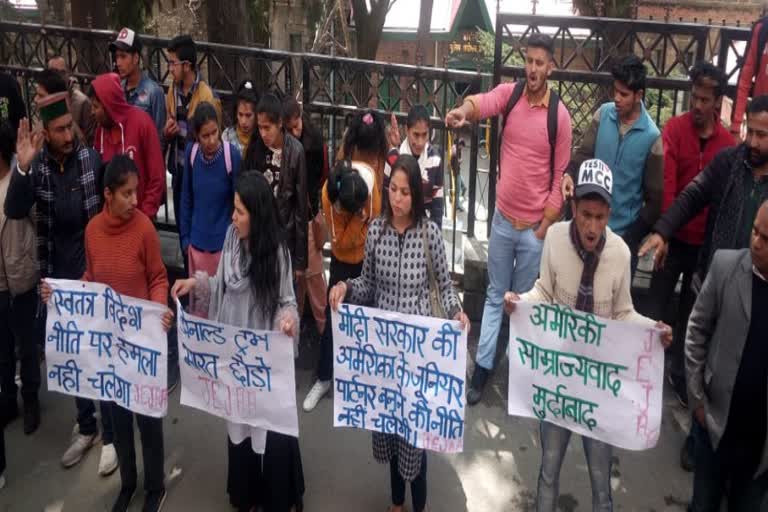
[[347, 230], [126, 256]]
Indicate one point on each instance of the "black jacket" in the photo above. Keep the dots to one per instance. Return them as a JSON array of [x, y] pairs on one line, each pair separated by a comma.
[[720, 186], [291, 192]]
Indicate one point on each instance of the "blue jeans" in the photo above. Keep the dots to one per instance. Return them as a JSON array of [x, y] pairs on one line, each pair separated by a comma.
[[514, 257], [554, 443], [745, 494]]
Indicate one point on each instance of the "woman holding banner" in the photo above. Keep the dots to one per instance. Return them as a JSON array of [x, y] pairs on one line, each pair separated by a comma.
[[122, 250], [395, 277], [253, 288]]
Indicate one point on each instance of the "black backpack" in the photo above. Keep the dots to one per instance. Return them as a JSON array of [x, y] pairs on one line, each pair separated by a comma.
[[554, 99]]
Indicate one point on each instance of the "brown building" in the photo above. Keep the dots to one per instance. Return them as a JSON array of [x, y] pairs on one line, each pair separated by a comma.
[[716, 12]]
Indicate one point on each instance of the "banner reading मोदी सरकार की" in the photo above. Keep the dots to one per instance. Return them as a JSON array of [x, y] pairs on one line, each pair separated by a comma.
[[400, 374], [105, 346], [597, 377], [242, 375]]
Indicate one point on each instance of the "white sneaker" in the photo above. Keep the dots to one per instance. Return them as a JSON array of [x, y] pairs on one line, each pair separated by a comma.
[[74, 454], [317, 392], [108, 460], [2, 481]]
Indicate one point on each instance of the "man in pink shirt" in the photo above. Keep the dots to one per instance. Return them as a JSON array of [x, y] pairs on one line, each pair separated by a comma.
[[528, 195]]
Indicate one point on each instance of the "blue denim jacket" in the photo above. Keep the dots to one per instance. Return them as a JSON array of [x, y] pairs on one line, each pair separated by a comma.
[[150, 98]]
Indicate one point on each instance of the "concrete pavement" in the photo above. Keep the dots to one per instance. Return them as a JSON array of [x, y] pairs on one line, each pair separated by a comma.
[[497, 471]]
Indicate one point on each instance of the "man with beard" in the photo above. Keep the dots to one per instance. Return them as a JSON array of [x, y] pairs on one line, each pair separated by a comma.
[[732, 186], [528, 195], [691, 141], [60, 176], [624, 136]]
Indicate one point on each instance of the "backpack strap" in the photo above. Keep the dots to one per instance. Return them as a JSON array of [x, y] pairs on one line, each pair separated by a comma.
[[193, 154], [228, 157], [517, 93], [554, 100]]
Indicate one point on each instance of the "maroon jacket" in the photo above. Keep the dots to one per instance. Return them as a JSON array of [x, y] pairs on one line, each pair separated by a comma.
[[134, 133], [683, 161]]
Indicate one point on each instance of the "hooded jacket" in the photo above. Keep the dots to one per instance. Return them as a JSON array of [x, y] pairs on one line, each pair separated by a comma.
[[133, 133]]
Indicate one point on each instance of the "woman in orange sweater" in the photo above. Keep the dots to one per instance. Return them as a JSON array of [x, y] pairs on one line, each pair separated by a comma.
[[351, 200], [122, 250]]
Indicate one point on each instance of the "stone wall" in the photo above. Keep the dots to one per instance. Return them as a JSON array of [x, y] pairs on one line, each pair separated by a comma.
[[716, 12]]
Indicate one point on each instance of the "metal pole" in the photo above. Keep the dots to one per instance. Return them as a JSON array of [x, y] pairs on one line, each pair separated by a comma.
[[332, 117]]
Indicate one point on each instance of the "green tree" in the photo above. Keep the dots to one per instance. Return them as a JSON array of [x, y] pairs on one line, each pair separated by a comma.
[[129, 13], [487, 41]]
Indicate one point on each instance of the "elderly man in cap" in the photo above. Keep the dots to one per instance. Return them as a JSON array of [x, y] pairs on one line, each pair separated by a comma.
[[61, 177], [586, 266], [79, 103], [140, 90]]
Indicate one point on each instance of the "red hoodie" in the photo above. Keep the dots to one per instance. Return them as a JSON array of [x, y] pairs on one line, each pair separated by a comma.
[[133, 133], [684, 159]]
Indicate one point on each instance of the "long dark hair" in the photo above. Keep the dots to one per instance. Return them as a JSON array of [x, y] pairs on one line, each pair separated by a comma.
[[410, 166], [204, 113], [246, 93], [367, 133], [117, 171], [346, 186], [266, 240], [256, 155]]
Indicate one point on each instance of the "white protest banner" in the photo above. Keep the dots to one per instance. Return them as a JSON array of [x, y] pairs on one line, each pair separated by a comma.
[[106, 346], [238, 374], [600, 378], [400, 374]]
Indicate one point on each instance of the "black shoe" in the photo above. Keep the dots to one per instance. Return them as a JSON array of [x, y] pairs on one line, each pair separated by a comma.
[[124, 499], [686, 457], [153, 501], [479, 378], [31, 417]]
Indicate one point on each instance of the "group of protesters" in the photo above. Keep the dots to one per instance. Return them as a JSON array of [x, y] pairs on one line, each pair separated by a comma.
[[256, 202]]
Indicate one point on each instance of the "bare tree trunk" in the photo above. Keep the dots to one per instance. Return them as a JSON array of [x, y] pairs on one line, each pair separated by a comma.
[[369, 26], [228, 24], [425, 25], [90, 15]]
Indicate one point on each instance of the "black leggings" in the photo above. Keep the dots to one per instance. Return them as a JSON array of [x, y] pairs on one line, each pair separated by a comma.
[[418, 486], [340, 271]]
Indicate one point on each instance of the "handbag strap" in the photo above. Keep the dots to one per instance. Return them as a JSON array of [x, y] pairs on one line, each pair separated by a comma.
[[430, 272]]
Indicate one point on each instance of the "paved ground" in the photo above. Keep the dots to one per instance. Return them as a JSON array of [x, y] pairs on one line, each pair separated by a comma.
[[497, 472]]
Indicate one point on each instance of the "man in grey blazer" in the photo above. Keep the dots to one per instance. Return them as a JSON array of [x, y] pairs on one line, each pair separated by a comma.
[[726, 351]]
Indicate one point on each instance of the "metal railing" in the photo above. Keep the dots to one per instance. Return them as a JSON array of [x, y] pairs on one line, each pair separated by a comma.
[[332, 87], [586, 48]]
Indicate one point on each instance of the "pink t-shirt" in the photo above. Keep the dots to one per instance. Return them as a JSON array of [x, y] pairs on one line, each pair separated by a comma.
[[523, 191]]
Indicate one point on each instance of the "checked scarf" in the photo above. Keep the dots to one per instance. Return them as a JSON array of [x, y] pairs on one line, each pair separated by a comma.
[[44, 216], [585, 299]]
